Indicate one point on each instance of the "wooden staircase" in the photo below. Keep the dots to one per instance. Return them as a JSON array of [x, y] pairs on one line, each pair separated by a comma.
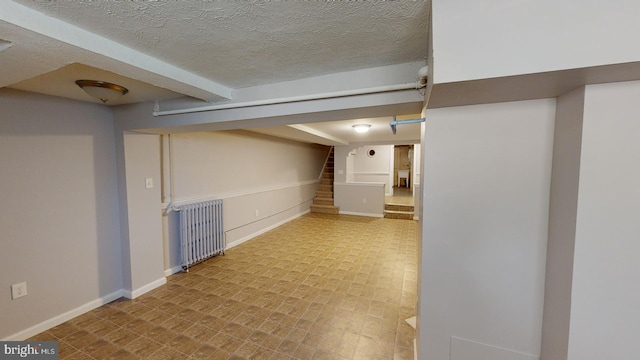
[[323, 201]]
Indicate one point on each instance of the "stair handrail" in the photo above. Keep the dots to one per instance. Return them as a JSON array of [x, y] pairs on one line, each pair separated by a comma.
[[326, 160]]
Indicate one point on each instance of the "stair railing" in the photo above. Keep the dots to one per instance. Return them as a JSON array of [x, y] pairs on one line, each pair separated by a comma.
[[326, 160]]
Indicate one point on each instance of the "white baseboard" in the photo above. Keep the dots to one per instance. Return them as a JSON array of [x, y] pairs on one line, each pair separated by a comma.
[[463, 349], [144, 289], [262, 231], [173, 270], [59, 319], [361, 214]]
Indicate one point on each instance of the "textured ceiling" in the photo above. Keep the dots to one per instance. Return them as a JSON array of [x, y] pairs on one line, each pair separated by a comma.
[[215, 50], [241, 44]]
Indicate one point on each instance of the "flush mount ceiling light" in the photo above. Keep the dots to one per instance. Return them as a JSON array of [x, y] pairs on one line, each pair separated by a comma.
[[102, 90], [361, 128]]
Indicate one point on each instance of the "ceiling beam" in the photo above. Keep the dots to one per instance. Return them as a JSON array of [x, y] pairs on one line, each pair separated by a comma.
[[114, 56], [329, 139]]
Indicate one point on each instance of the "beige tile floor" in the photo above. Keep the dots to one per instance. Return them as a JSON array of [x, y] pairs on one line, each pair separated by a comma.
[[401, 196], [319, 287]]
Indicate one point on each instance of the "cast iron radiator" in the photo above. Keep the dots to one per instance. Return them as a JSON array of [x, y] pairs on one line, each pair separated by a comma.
[[201, 233]]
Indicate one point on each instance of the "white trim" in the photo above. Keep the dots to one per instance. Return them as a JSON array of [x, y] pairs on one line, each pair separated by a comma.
[[412, 321], [361, 214], [356, 183], [371, 173], [59, 319], [464, 349], [144, 289], [262, 231], [186, 201], [173, 270]]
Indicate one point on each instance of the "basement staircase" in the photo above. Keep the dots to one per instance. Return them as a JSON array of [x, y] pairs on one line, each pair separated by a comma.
[[323, 201]]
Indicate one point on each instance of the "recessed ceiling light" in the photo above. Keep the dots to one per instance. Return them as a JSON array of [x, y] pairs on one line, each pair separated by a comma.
[[361, 128]]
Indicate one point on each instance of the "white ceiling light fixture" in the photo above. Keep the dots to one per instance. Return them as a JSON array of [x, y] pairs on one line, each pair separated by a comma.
[[102, 90], [361, 128]]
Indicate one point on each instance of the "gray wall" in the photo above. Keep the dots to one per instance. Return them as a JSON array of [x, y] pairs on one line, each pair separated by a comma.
[[605, 294], [59, 214], [486, 175], [563, 207], [142, 231], [78, 224], [263, 181]]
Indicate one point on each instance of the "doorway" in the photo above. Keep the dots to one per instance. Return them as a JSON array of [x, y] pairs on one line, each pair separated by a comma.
[[402, 168], [400, 204]]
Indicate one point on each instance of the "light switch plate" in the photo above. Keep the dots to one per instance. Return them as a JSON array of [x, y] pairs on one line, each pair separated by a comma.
[[148, 183]]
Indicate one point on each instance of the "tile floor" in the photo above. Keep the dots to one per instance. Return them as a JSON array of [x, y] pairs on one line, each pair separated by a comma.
[[401, 196], [319, 287]]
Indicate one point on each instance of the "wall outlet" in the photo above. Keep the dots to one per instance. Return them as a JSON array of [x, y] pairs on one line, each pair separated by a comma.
[[18, 290], [148, 183]]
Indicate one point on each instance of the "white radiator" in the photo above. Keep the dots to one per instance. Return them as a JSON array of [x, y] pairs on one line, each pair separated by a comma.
[[201, 232]]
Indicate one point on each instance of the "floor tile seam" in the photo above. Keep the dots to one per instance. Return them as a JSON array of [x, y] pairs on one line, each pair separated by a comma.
[[77, 350], [119, 329], [89, 357], [117, 348]]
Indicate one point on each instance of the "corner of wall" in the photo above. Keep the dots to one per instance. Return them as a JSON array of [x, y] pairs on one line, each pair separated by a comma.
[[144, 289]]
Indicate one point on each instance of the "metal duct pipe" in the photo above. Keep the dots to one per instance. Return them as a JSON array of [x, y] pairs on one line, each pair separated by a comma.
[[395, 123]]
